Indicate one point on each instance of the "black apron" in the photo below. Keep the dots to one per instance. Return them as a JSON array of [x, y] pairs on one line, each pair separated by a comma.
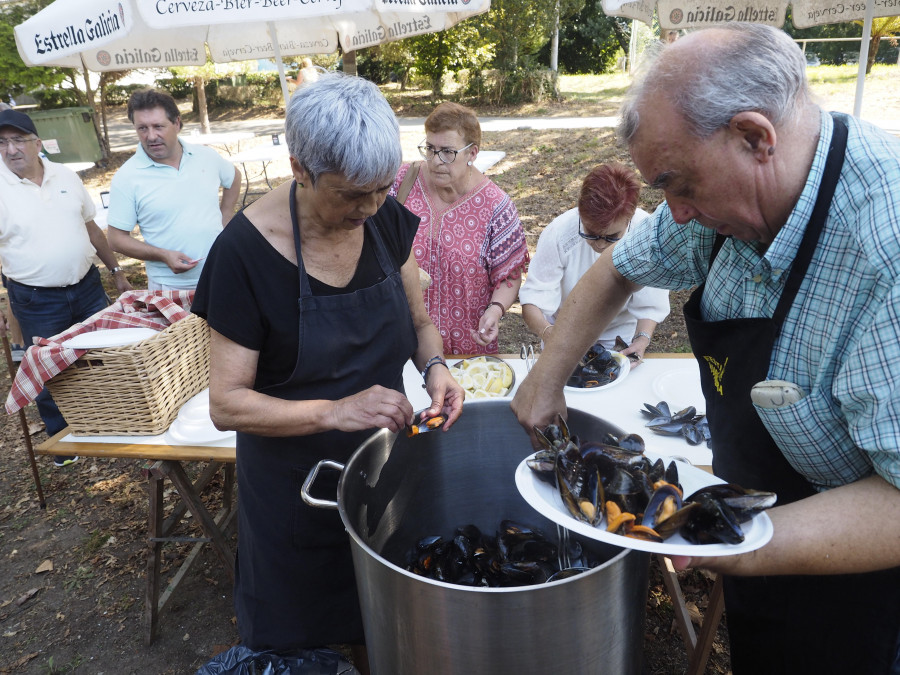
[[294, 581], [785, 624]]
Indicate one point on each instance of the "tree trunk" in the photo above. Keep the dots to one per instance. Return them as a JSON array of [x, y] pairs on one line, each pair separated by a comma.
[[200, 89], [554, 52], [874, 43], [103, 112], [90, 100], [349, 59]]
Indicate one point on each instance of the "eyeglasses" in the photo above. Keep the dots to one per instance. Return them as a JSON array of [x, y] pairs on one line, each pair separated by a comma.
[[15, 142], [596, 237], [446, 155]]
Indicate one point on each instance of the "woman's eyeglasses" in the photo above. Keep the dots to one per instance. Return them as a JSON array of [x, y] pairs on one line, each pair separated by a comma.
[[595, 237], [446, 155]]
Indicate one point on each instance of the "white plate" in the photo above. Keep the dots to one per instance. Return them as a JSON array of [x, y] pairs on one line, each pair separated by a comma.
[[196, 408], [624, 369], [109, 337], [680, 388], [181, 433], [545, 499]]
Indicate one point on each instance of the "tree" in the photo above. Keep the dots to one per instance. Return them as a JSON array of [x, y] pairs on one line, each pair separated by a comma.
[[15, 77], [454, 49], [517, 28], [590, 40], [884, 27], [200, 75]]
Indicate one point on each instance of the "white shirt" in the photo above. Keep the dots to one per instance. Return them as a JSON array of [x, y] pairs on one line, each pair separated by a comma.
[[43, 239], [562, 258]]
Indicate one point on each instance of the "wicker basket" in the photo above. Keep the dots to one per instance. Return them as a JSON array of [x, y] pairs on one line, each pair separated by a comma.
[[138, 389]]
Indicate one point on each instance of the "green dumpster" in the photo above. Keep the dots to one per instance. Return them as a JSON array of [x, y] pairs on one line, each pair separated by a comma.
[[68, 134]]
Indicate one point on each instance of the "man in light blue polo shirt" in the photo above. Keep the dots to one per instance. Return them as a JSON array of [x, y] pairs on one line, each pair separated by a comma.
[[170, 189]]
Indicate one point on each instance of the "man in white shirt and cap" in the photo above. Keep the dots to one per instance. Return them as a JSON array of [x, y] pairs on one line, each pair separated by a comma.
[[48, 239]]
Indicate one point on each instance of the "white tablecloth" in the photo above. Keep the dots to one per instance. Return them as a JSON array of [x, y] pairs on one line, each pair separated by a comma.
[[675, 380]]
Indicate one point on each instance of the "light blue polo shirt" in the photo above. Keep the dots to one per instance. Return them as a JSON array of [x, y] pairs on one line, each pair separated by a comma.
[[176, 209]]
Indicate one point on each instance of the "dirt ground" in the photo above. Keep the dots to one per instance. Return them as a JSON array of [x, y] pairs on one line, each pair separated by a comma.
[[73, 581]]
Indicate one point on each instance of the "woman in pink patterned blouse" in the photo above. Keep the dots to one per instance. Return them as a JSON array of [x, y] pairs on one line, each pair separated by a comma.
[[470, 240]]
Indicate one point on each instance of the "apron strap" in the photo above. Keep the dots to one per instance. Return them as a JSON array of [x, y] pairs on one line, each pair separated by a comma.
[[381, 253], [833, 165], [305, 289]]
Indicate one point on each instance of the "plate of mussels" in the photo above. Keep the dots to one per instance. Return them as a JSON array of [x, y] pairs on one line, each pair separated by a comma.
[[617, 492], [598, 370]]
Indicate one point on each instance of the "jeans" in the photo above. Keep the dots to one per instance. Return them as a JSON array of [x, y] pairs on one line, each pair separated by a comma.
[[45, 312]]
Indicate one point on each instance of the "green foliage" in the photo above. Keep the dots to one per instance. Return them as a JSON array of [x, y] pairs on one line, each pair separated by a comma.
[[265, 87], [15, 77], [371, 65], [528, 84], [519, 28], [590, 41], [451, 50], [51, 99], [839, 53], [178, 87], [118, 94]]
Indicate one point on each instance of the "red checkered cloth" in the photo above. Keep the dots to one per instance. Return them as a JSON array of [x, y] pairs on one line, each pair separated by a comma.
[[48, 358]]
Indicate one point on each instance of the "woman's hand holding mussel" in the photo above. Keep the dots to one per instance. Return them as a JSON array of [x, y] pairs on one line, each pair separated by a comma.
[[446, 393], [375, 407]]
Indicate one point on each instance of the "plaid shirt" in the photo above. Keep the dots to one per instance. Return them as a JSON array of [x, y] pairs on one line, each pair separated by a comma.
[[48, 358], [841, 340]]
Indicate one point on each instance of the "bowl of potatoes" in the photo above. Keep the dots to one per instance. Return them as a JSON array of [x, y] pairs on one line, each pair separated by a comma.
[[484, 376]]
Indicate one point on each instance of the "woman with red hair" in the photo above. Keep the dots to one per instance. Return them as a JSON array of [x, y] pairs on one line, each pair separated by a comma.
[[607, 209]]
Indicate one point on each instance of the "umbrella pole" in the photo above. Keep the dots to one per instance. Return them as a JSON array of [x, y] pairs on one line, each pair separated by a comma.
[[273, 33], [24, 422], [863, 58]]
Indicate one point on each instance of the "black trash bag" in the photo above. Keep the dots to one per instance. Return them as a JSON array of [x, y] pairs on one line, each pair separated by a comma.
[[240, 660]]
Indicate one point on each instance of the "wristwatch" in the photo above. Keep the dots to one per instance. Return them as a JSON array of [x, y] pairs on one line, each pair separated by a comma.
[[115, 269], [642, 334]]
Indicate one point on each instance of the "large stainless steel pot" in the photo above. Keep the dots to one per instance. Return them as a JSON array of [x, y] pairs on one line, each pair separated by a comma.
[[395, 490]]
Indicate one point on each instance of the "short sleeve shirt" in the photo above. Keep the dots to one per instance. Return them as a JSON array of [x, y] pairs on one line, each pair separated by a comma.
[[841, 339], [176, 209], [43, 239]]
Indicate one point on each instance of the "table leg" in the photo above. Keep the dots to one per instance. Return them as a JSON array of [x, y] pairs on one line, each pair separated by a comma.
[[697, 647], [708, 629], [682, 617], [160, 529], [174, 471], [154, 556]]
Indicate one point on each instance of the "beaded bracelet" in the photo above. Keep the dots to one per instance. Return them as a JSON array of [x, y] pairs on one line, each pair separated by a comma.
[[433, 361]]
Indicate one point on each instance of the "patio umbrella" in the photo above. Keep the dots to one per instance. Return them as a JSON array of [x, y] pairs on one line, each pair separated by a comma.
[[126, 34], [679, 14]]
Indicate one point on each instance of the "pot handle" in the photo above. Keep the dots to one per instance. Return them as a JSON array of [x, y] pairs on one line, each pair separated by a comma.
[[307, 484]]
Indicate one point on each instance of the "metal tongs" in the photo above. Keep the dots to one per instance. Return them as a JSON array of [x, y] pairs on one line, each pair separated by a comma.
[[526, 353]]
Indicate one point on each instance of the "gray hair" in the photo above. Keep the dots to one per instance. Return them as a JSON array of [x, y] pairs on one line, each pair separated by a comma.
[[343, 124], [756, 67]]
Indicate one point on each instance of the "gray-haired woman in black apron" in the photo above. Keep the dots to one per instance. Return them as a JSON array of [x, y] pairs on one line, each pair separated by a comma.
[[315, 306]]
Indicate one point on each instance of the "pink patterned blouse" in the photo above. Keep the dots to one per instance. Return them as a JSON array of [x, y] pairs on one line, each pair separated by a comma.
[[468, 248]]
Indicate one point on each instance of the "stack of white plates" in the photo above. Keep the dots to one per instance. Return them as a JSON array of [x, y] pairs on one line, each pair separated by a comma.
[[193, 425], [109, 337]]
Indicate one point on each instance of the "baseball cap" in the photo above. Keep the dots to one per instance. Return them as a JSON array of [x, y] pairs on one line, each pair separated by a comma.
[[21, 121]]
